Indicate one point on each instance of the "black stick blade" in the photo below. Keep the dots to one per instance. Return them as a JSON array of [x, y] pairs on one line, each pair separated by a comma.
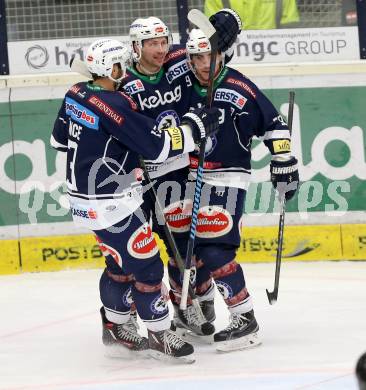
[[272, 297]]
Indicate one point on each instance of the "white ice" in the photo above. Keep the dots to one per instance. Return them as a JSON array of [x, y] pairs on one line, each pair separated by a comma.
[[50, 335]]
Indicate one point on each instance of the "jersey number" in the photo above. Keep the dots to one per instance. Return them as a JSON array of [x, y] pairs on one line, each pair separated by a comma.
[[71, 180], [188, 81]]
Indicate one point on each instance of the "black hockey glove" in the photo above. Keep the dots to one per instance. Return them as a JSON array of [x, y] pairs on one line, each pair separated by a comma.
[[228, 25], [203, 122], [285, 177]]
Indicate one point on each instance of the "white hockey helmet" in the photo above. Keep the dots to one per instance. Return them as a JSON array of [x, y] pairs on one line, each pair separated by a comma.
[[103, 54], [147, 28], [197, 42]]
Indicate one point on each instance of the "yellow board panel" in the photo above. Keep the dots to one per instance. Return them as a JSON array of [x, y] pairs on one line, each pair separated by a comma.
[[354, 242], [322, 242], [9, 257], [258, 244], [54, 253]]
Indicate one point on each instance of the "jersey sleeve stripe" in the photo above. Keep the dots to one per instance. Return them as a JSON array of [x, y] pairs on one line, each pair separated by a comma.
[[57, 145], [189, 144]]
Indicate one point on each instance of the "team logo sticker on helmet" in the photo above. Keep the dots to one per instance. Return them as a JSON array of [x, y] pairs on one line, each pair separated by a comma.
[[178, 216], [213, 221], [142, 243]]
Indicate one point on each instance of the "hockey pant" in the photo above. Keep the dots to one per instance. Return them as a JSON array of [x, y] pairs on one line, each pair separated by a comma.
[[217, 240], [134, 273]]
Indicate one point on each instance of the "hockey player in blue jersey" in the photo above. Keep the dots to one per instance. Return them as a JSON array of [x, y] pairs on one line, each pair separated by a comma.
[[158, 83], [245, 113], [103, 134]]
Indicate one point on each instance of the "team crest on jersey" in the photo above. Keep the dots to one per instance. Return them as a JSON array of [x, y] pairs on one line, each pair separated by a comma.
[[166, 119], [134, 86], [177, 70], [142, 243], [178, 216], [213, 221], [230, 96]]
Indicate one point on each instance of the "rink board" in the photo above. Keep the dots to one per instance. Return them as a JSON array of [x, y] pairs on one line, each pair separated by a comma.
[[330, 150], [9, 258], [258, 244]]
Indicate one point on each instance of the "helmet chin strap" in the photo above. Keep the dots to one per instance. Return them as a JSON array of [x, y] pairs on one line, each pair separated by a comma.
[[119, 80], [116, 81]]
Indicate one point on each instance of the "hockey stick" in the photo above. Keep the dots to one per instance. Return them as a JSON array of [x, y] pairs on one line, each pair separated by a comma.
[[80, 67], [206, 327], [201, 21], [272, 296]]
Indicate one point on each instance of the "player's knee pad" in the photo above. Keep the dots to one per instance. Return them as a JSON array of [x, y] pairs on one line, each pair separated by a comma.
[[149, 271], [116, 297]]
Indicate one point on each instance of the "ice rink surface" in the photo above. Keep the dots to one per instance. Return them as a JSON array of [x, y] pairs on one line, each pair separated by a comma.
[[50, 335]]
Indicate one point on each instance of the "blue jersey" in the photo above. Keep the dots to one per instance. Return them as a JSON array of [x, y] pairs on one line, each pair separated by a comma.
[[103, 135], [245, 112], [164, 98]]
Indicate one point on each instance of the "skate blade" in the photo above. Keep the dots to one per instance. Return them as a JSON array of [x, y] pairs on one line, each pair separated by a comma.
[[121, 352], [190, 336], [172, 359], [246, 342]]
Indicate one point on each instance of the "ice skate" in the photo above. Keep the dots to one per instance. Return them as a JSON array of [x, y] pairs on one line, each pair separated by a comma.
[[188, 323], [120, 339], [241, 333], [168, 346], [208, 310]]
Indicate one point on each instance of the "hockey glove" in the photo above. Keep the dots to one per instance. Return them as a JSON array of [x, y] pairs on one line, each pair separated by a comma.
[[228, 25], [285, 177], [203, 122]]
